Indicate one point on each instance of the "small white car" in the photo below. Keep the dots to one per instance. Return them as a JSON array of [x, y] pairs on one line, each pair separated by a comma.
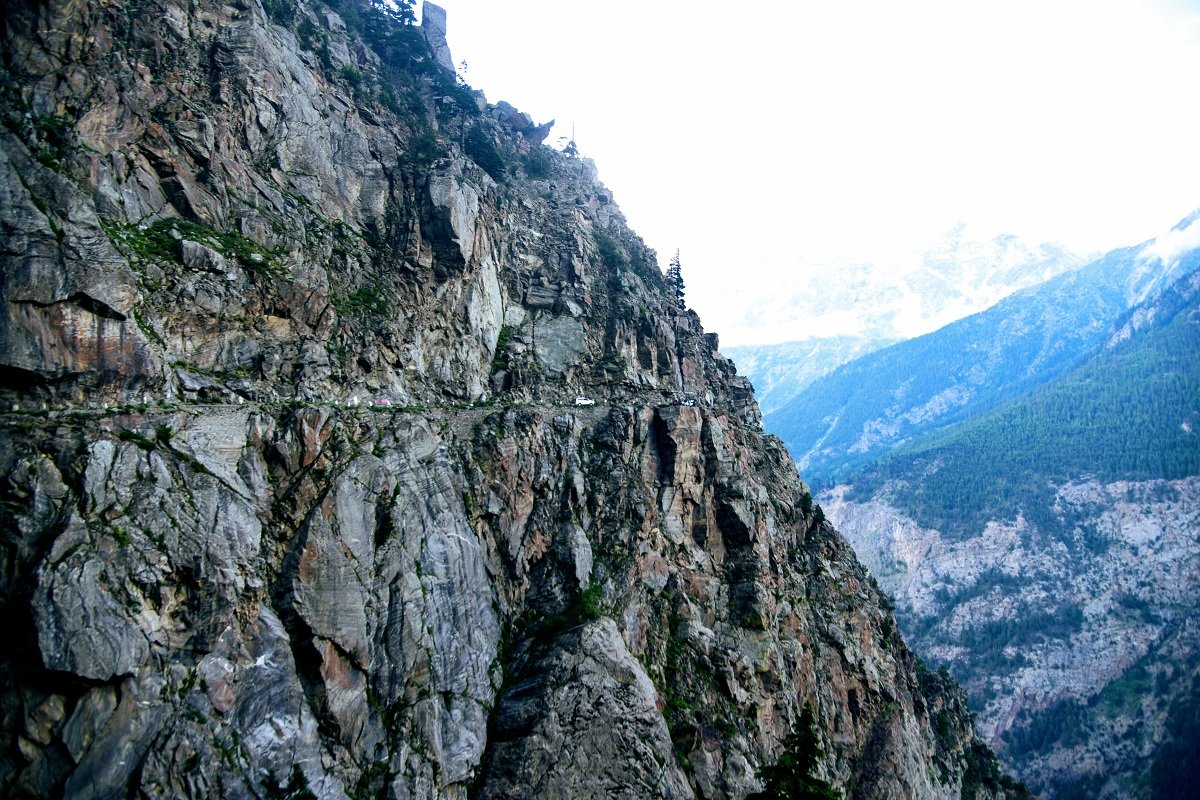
[[580, 400]]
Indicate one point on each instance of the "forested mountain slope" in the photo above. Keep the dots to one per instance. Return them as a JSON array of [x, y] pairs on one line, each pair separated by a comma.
[[1131, 412], [854, 415], [1048, 552], [297, 499]]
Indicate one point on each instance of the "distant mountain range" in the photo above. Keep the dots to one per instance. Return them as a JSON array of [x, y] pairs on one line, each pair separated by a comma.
[[1026, 483], [1130, 411], [863, 409], [779, 372], [862, 307]]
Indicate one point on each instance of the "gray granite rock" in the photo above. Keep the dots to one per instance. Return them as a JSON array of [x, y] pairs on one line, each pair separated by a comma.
[[310, 508]]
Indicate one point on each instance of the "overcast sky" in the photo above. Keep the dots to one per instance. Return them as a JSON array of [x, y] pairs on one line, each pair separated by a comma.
[[763, 140]]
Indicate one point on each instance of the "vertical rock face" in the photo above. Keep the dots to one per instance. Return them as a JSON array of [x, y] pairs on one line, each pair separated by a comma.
[[296, 498], [433, 25]]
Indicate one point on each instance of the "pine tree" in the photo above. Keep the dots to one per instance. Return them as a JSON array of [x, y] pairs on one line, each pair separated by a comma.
[[675, 280], [791, 777]]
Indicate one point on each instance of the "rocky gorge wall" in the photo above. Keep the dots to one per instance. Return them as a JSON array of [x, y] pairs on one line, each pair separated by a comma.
[[1077, 644], [296, 498]]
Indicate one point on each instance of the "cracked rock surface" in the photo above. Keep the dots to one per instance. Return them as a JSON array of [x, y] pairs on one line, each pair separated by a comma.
[[296, 499]]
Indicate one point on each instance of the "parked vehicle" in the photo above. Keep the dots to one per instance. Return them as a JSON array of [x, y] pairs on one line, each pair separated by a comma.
[[580, 400]]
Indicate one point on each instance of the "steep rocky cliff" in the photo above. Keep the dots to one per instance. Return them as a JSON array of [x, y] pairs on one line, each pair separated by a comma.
[[1080, 651], [296, 497]]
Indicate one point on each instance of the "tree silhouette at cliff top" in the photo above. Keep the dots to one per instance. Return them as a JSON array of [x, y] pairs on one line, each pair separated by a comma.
[[791, 777], [675, 279]]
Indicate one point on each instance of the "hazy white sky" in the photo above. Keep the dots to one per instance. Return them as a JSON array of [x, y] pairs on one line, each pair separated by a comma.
[[763, 140]]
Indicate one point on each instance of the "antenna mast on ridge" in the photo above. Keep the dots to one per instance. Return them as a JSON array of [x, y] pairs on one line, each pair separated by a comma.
[[571, 149]]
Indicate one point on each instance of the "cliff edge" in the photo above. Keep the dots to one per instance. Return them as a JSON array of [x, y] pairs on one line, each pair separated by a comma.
[[357, 448]]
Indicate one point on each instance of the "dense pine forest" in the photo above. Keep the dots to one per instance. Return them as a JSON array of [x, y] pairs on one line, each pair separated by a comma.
[[1116, 417]]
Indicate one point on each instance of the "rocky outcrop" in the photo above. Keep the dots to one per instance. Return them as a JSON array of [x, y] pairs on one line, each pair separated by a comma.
[[310, 509], [433, 26], [434, 601], [1077, 644], [583, 721]]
